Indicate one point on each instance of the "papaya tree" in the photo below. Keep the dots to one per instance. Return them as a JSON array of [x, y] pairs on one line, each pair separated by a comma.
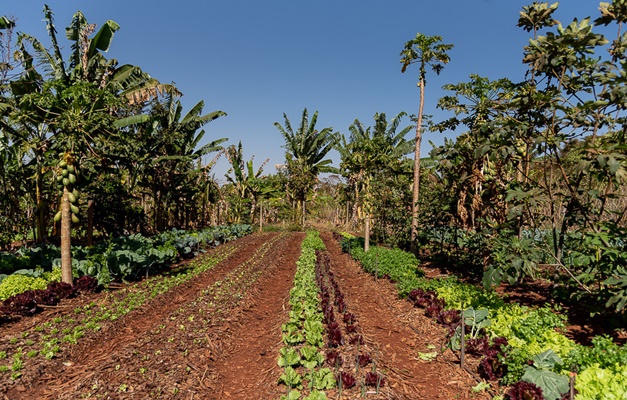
[[78, 103], [426, 51]]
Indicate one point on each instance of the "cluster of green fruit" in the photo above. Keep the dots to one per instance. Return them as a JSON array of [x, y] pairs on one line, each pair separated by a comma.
[[66, 179]]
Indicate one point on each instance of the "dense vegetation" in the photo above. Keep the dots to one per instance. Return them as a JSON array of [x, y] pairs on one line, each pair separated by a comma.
[[532, 188]]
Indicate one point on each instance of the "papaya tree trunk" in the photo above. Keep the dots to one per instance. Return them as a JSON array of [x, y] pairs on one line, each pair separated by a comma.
[[416, 185], [90, 223], [367, 233], [40, 208], [66, 244]]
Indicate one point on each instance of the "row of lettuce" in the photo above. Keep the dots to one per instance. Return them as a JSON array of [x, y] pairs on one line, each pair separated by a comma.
[[113, 260], [323, 348], [302, 336], [520, 347]]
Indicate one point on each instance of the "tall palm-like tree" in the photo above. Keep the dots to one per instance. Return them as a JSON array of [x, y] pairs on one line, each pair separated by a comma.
[[168, 163], [370, 151], [305, 152], [244, 179], [77, 102], [426, 51]]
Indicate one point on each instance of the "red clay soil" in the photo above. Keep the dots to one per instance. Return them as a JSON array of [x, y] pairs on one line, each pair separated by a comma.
[[172, 346], [401, 333], [218, 337], [248, 367]]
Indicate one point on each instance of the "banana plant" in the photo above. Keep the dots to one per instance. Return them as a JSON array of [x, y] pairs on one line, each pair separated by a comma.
[[244, 180]]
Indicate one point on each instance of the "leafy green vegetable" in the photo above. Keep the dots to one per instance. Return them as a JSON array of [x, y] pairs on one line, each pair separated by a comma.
[[311, 357], [288, 357], [291, 378], [321, 379], [553, 385]]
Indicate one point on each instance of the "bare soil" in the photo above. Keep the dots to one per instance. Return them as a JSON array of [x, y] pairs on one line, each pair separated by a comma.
[[218, 335]]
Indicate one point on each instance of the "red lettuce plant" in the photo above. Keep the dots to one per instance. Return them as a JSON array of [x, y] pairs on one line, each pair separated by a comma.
[[523, 390], [335, 337], [348, 380], [86, 284], [477, 346], [357, 339], [364, 359], [491, 367], [45, 297], [334, 358], [62, 289], [415, 294], [449, 317], [20, 304], [374, 379]]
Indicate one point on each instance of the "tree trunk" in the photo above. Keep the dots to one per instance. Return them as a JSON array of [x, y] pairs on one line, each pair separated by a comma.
[[260, 217], [40, 207], [367, 233], [416, 183], [90, 223], [66, 244]]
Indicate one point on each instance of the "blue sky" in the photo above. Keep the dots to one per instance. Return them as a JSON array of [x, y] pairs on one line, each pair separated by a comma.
[[256, 60]]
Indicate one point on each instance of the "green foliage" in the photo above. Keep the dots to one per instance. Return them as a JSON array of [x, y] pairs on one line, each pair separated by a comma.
[[294, 394], [316, 395], [321, 379], [398, 265], [311, 356], [18, 283], [475, 321], [525, 323], [121, 258], [553, 385], [288, 357], [459, 295], [291, 378], [596, 382], [304, 330], [604, 353]]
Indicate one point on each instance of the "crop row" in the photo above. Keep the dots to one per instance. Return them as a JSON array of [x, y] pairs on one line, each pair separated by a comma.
[[323, 346], [354, 365], [115, 259], [131, 253], [522, 348], [51, 337], [187, 331], [303, 335]]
